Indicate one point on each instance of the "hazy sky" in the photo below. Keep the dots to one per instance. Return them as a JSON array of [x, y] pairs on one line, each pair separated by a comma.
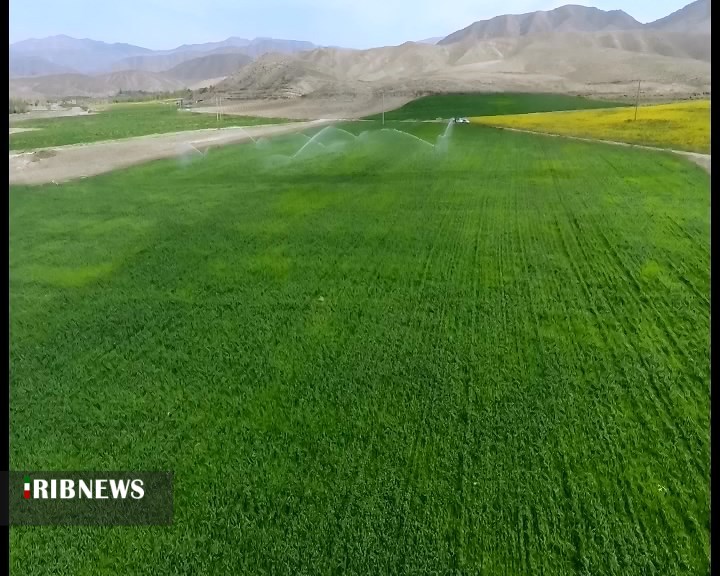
[[165, 24]]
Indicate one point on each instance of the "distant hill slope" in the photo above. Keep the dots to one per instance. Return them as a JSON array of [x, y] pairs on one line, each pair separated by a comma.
[[66, 54], [85, 56], [231, 42], [569, 49], [82, 85], [164, 62], [693, 18], [433, 40], [22, 65], [566, 61], [285, 76], [570, 18], [260, 46], [210, 66], [615, 57]]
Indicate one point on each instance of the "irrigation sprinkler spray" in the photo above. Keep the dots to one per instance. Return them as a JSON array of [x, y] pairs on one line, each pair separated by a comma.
[[332, 139], [248, 133]]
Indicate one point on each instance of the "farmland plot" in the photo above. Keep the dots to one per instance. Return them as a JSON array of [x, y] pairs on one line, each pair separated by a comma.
[[122, 121], [680, 125], [372, 356], [490, 104]]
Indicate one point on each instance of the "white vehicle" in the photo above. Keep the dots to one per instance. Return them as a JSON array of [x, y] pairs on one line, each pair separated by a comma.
[[462, 121]]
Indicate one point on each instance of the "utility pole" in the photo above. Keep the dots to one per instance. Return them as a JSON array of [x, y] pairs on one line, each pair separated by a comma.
[[383, 94], [637, 100]]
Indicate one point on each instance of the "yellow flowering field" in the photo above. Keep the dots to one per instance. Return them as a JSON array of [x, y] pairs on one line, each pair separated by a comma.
[[681, 126]]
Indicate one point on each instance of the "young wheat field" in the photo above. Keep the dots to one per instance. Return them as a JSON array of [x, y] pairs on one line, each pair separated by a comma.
[[122, 121], [493, 104], [367, 351]]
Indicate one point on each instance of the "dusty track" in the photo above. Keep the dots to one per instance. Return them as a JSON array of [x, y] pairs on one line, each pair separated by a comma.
[[63, 163], [336, 107], [44, 114], [18, 130]]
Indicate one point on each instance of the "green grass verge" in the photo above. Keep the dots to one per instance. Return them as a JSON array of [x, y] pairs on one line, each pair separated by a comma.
[[380, 361], [122, 121], [489, 104]]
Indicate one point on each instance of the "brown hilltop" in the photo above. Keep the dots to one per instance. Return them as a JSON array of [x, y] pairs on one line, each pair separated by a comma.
[[570, 18]]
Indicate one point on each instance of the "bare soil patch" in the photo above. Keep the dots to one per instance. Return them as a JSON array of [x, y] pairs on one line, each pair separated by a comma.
[[65, 163], [43, 155], [43, 114], [336, 108]]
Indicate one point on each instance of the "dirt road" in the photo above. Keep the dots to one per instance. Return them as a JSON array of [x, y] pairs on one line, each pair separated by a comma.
[[338, 108], [44, 114], [63, 163], [17, 130]]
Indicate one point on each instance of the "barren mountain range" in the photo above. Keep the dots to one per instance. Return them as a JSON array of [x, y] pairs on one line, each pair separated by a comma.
[[564, 19], [570, 49]]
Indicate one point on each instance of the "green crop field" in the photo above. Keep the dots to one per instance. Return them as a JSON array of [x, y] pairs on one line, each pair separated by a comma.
[[374, 354], [121, 121], [490, 104]]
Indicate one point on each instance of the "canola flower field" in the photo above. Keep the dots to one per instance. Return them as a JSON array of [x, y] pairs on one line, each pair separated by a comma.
[[679, 126]]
